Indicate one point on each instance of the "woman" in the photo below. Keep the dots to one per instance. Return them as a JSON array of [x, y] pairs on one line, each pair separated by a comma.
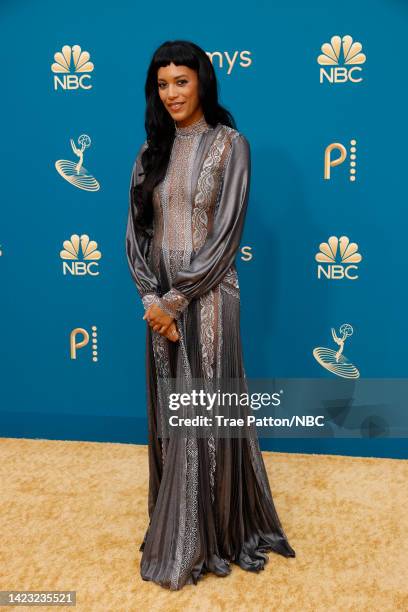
[[209, 497]]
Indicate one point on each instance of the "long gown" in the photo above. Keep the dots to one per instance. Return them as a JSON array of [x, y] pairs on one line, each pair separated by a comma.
[[210, 501]]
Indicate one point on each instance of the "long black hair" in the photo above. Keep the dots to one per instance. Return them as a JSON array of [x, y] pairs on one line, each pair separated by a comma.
[[159, 125]]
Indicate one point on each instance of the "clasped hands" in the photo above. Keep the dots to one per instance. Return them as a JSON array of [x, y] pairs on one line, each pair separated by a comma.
[[161, 322]]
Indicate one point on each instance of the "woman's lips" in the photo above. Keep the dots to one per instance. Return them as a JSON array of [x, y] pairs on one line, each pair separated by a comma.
[[176, 107]]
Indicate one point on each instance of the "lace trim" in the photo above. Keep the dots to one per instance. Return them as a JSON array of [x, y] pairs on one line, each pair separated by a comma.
[[197, 127], [161, 358], [231, 277], [207, 335], [150, 298], [206, 183], [173, 302]]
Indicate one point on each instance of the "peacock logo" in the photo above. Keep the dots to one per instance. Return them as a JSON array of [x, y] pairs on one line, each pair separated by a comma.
[[341, 50], [76, 248], [337, 259], [72, 66]]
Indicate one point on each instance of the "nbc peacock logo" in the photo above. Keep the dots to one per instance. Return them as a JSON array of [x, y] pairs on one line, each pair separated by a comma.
[[71, 68], [336, 361], [337, 259], [341, 50], [74, 172], [80, 248]]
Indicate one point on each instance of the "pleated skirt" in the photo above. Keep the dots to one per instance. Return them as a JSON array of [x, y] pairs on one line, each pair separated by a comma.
[[209, 502]]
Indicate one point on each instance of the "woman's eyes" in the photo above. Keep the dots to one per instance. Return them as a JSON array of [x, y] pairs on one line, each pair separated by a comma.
[[182, 81]]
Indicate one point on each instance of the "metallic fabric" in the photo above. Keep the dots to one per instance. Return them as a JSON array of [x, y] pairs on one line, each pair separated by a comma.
[[210, 502]]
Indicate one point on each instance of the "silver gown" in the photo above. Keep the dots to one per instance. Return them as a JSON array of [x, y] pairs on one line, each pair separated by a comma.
[[210, 501]]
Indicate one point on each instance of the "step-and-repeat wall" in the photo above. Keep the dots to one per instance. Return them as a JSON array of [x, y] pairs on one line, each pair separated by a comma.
[[320, 93]]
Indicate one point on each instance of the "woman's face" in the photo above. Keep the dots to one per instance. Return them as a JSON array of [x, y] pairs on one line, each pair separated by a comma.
[[178, 90]]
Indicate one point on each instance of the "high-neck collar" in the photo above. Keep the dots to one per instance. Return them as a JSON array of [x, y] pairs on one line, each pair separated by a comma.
[[197, 127]]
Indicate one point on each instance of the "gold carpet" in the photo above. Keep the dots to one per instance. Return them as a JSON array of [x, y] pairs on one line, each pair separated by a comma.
[[73, 515]]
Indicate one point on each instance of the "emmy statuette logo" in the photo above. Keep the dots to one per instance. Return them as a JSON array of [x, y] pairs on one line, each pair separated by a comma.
[[73, 67], [345, 51], [330, 161], [76, 343], [336, 361], [337, 259], [80, 247], [74, 172]]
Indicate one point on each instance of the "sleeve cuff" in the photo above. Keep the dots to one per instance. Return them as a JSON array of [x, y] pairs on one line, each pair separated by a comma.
[[150, 298], [173, 302]]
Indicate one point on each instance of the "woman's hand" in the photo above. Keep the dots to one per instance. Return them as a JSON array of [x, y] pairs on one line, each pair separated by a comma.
[[172, 333], [161, 322]]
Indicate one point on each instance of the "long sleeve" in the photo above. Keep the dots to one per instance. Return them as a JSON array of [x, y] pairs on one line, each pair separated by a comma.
[[137, 244], [213, 259]]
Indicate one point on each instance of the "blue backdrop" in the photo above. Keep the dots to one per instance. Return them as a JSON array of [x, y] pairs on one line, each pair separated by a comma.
[[290, 107]]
